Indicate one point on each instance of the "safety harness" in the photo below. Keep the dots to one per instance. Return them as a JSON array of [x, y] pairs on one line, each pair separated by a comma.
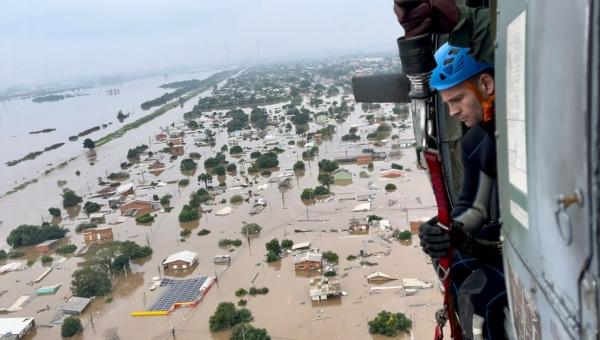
[[440, 191]]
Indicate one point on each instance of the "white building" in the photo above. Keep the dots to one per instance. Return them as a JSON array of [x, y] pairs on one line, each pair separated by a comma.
[[15, 328], [182, 260]]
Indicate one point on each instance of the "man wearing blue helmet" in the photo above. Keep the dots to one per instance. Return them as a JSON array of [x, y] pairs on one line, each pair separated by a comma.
[[477, 279], [464, 78]]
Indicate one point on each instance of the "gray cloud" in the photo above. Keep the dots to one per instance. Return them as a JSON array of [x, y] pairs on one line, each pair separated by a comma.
[[52, 40]]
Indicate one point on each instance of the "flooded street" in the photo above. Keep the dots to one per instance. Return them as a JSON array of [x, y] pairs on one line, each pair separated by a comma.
[[287, 311]]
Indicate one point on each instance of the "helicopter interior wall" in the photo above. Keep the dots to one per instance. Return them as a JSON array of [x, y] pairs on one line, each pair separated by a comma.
[[543, 259]]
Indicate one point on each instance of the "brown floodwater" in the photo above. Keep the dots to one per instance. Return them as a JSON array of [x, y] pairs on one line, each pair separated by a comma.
[[286, 311]]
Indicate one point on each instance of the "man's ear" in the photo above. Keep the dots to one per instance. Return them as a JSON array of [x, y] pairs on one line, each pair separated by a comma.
[[487, 84]]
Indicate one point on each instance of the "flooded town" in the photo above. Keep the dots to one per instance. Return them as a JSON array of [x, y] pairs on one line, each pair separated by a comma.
[[269, 188]]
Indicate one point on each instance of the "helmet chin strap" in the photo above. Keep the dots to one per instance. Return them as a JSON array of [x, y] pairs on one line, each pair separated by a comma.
[[486, 104]]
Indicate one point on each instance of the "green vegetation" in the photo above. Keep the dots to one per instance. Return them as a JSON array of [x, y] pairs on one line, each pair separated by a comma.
[[46, 259], [248, 332], [212, 162], [239, 120], [310, 153], [325, 179], [188, 164], [66, 249], [165, 201], [236, 199], [14, 254], [321, 191], [203, 232], [242, 303], [390, 187], [231, 168], [330, 256], [299, 166], [3, 254], [91, 207], [195, 155], [198, 197], [267, 160], [26, 235], [253, 291], [326, 165], [273, 250], [121, 116], [251, 229], [89, 144], [371, 218], [236, 149], [351, 257], [70, 327], [286, 243], [227, 316], [241, 292], [90, 281], [185, 233], [183, 182], [219, 171], [54, 212], [351, 137], [118, 176], [70, 199], [137, 151], [145, 218], [403, 235], [330, 273], [255, 154], [225, 242], [307, 194], [188, 214], [83, 226], [259, 118], [389, 324]]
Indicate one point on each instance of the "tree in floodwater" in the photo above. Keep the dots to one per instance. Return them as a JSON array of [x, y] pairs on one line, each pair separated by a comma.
[[89, 144], [90, 281]]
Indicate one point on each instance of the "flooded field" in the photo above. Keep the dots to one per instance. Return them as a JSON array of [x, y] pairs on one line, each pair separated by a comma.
[[69, 117], [287, 311]]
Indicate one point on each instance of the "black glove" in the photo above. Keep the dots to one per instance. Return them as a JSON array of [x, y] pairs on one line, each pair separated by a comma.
[[426, 16], [435, 241]]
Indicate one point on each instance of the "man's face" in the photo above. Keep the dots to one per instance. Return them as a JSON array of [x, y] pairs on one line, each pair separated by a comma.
[[463, 104]]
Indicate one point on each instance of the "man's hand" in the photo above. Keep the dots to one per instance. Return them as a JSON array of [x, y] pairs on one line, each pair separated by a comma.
[[426, 16], [435, 241]]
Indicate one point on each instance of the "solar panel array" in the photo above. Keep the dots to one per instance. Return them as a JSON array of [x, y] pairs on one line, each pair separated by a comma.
[[178, 291]]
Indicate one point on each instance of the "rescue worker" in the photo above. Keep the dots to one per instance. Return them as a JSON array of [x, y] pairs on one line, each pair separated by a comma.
[[464, 78]]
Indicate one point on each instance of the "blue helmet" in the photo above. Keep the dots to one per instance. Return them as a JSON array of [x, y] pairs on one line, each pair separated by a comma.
[[454, 65]]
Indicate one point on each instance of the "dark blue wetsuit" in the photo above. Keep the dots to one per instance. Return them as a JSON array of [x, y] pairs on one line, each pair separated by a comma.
[[477, 277]]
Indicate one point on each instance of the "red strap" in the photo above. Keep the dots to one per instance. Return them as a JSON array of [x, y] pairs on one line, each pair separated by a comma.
[[439, 188], [442, 198]]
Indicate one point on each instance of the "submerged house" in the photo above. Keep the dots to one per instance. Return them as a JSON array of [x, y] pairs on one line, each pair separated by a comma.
[[136, 208], [45, 246], [321, 288], [97, 235], [15, 328], [342, 175], [76, 305], [358, 225], [308, 261], [182, 260]]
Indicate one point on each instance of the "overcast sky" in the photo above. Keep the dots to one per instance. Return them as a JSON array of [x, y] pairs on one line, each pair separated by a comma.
[[48, 40]]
